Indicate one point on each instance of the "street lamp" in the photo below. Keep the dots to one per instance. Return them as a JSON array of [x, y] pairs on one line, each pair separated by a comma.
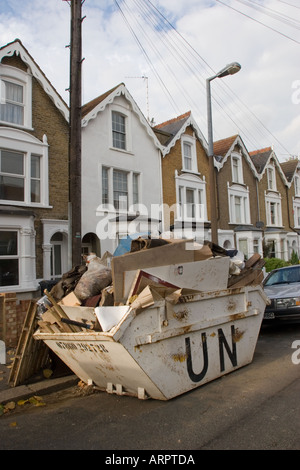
[[230, 69]]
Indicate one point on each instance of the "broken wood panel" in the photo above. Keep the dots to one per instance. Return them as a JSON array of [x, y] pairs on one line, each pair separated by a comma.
[[31, 355]]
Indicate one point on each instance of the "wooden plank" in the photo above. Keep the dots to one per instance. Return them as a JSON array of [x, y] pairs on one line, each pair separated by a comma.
[[31, 354], [58, 310]]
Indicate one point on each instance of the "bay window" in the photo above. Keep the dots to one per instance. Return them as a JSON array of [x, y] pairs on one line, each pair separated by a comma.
[[239, 208], [23, 168], [273, 210], [120, 188], [191, 198]]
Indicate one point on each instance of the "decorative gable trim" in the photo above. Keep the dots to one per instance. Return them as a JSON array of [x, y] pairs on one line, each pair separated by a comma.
[[278, 166], [109, 99], [16, 47], [188, 122], [238, 141]]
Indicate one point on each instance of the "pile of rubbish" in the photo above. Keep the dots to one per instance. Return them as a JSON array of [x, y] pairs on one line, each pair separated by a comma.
[[120, 281]]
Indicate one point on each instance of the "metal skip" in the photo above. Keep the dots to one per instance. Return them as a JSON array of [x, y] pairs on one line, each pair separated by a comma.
[[168, 339]]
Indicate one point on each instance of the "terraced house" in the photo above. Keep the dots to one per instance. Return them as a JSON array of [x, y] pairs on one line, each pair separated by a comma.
[[185, 177], [238, 210], [275, 202], [33, 174], [121, 171]]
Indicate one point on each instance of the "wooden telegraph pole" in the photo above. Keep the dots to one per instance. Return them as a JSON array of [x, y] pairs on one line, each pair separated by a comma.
[[75, 131]]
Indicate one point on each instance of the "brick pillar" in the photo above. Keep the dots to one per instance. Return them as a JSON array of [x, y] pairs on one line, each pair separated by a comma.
[[12, 316]]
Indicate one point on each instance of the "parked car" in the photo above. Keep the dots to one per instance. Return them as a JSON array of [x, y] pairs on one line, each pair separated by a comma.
[[282, 286]]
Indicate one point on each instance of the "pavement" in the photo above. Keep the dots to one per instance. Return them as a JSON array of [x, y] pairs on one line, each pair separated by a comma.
[[36, 385]]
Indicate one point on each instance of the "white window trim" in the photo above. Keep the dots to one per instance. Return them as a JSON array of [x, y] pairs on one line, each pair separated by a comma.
[[276, 199], [297, 185], [233, 192], [128, 128], [19, 77], [109, 207], [271, 169], [190, 140], [19, 141], [193, 182], [296, 208], [238, 157]]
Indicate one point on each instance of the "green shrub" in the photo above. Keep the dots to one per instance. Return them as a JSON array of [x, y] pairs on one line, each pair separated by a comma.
[[274, 263], [294, 258]]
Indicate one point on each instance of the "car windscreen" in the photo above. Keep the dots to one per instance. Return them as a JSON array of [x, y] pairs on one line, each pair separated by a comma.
[[284, 276]]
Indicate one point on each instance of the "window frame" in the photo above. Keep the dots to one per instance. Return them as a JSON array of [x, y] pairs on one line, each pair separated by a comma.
[[133, 179], [17, 141], [243, 195], [275, 200], [184, 183], [19, 77], [124, 112], [190, 142], [237, 170], [271, 178]]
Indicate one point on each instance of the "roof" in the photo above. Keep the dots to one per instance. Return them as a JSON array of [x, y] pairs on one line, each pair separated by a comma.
[[224, 147], [289, 168], [16, 47], [170, 131], [91, 109], [221, 147], [260, 158], [173, 126], [93, 103]]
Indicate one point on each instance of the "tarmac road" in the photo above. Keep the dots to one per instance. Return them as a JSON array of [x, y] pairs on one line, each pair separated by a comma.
[[254, 408]]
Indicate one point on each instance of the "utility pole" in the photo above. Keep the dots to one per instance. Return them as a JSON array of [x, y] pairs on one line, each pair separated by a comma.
[[75, 131]]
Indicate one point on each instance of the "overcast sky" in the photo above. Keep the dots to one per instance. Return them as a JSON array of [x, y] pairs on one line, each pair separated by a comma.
[[164, 50]]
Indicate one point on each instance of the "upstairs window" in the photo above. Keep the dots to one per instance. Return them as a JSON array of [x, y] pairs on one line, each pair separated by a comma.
[[14, 182], [118, 130], [15, 97], [120, 189], [12, 176], [35, 182], [297, 185], [239, 206], [236, 168], [23, 168], [189, 155], [273, 211], [12, 103], [271, 178]]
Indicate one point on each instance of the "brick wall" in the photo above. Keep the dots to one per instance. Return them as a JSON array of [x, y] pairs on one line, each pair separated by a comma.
[[12, 316]]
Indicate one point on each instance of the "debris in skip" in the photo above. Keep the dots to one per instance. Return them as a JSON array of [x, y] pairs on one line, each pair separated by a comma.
[[157, 321]]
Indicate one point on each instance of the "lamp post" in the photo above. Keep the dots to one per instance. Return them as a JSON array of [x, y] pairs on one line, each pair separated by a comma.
[[230, 69]]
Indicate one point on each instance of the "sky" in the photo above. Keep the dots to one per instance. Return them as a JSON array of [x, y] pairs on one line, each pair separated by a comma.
[[164, 52]]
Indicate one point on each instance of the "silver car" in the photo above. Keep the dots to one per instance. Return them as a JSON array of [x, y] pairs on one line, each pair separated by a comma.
[[282, 286]]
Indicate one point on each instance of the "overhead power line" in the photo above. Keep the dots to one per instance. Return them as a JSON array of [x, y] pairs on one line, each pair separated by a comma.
[[161, 43], [259, 22]]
